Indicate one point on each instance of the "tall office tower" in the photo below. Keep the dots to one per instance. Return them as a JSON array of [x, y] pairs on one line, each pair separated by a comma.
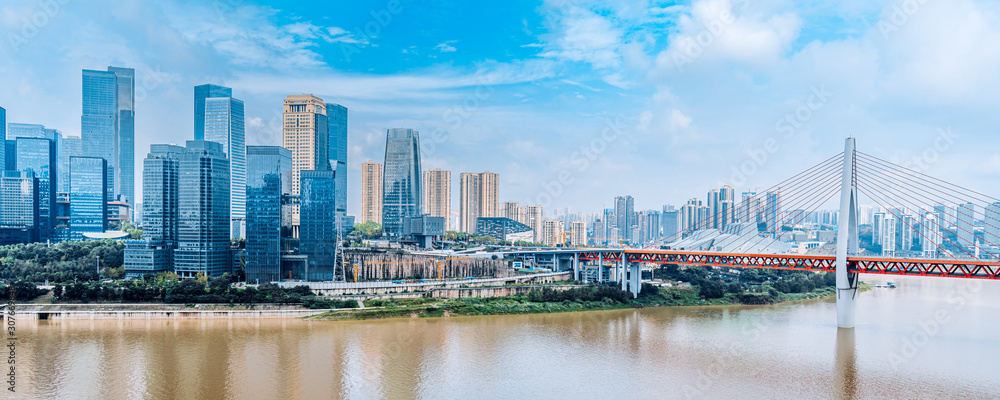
[[318, 229], [306, 135], [269, 176], [108, 126], [932, 236], [597, 234], [651, 225], [18, 207], [906, 232], [991, 219], [865, 214], [534, 218], [371, 192], [38, 155], [337, 116], [713, 209], [512, 210], [203, 200], [888, 235], [3, 136], [72, 146], [670, 223], [749, 209], [728, 193], [624, 212], [437, 193], [88, 196], [963, 225], [468, 201], [579, 233], [160, 195], [878, 221], [553, 232], [772, 210], [401, 187], [222, 120], [940, 211], [726, 213], [691, 217], [478, 197]]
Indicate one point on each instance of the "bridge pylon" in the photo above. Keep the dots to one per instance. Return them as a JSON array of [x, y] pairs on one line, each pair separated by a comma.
[[847, 239]]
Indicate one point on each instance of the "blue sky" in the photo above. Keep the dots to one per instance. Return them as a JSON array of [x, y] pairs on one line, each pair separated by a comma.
[[572, 102]]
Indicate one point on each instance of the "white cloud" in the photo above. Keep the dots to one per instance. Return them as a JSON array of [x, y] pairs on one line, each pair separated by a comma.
[[446, 47]]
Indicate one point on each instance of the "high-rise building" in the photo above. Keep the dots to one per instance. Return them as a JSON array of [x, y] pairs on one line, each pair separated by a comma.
[[306, 135], [534, 218], [478, 197], [108, 126], [437, 193], [712, 203], [337, 117], [201, 93], [3, 128], [371, 192], [772, 210], [578, 233], [932, 237], [670, 223], [401, 187], [203, 203], [691, 215], [468, 201], [269, 177], [888, 235], [963, 225], [553, 232], [512, 210], [72, 146], [318, 229], [222, 121], [749, 211], [624, 212], [18, 207], [38, 155], [161, 207], [88, 196], [991, 219]]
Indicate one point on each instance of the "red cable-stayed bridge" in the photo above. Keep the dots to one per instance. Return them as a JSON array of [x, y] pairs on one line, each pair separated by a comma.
[[913, 236]]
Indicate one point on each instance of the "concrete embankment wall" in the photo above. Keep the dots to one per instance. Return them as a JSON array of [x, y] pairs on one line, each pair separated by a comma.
[[455, 293], [152, 311], [385, 288]]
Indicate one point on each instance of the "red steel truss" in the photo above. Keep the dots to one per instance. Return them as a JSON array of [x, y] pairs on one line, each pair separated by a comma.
[[865, 265]]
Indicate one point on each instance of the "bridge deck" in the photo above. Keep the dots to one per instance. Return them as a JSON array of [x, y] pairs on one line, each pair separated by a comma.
[[955, 268]]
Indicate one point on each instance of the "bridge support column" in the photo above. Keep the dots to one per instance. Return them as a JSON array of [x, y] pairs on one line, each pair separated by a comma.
[[622, 273], [847, 241], [600, 267], [635, 283], [576, 266]]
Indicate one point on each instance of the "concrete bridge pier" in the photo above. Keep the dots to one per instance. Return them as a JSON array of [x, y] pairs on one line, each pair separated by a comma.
[[847, 240], [622, 273], [576, 266], [600, 267], [635, 279]]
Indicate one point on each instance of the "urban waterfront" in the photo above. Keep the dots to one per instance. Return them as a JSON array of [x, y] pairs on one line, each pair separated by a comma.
[[790, 350]]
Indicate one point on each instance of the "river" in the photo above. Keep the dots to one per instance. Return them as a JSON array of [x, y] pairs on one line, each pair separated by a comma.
[[928, 338]]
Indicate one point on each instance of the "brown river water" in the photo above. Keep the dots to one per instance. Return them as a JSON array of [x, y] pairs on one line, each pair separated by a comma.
[[928, 338]]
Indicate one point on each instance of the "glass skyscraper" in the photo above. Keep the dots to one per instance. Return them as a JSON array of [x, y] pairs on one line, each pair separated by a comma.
[[38, 155], [87, 196], [401, 189], [203, 204], [18, 207], [219, 118], [160, 196], [318, 228], [71, 146], [269, 176], [108, 126], [3, 136], [337, 117]]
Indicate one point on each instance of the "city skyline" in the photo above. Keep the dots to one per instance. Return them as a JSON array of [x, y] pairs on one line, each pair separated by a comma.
[[663, 109]]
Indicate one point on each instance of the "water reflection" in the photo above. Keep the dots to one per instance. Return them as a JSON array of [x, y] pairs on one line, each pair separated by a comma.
[[846, 364], [783, 351]]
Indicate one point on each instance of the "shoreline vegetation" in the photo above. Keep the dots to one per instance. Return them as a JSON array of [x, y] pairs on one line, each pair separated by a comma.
[[591, 298]]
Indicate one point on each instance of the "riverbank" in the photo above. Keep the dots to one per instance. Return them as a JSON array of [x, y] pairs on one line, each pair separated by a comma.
[[513, 305]]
